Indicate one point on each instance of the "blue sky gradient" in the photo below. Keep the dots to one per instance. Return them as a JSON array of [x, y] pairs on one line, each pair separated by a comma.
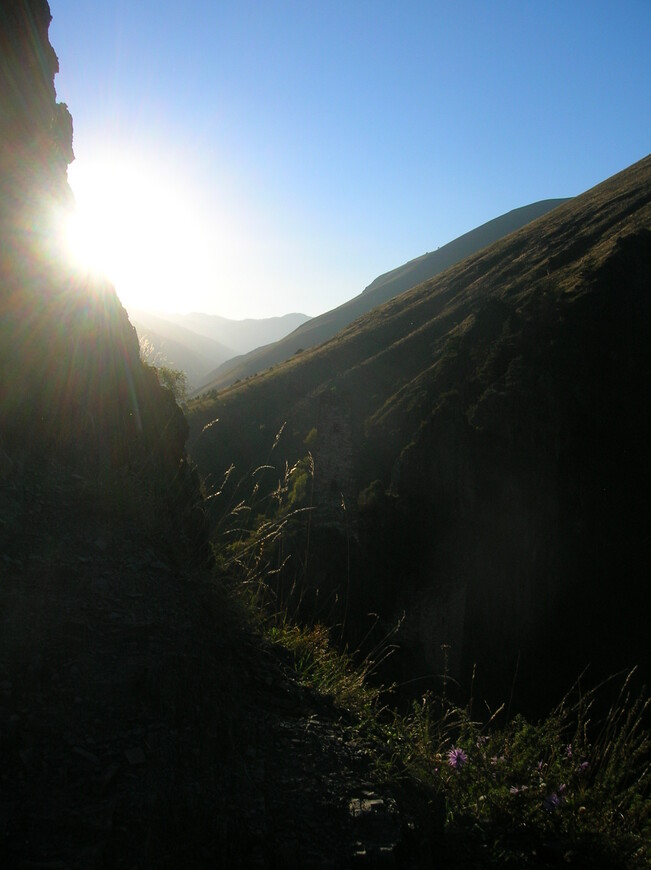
[[317, 145]]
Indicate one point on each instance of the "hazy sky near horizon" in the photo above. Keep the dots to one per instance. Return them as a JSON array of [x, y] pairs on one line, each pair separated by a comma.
[[251, 159]]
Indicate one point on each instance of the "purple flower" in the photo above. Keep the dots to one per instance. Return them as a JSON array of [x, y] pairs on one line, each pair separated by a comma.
[[568, 750], [551, 802], [457, 758], [584, 766]]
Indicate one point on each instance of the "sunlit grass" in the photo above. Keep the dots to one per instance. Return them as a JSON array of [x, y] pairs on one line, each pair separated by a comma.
[[573, 788]]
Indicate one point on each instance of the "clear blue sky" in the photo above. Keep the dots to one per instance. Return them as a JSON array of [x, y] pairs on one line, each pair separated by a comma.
[[299, 149]]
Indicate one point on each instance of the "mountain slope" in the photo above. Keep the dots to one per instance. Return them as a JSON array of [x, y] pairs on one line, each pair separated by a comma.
[[143, 721], [320, 329], [197, 343], [159, 350], [166, 343], [486, 432], [392, 283], [241, 335]]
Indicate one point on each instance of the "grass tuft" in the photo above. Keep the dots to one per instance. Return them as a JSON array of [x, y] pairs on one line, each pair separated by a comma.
[[572, 788]]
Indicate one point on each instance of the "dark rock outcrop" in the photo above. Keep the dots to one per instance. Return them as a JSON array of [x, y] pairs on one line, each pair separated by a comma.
[[72, 386], [35, 130], [142, 721]]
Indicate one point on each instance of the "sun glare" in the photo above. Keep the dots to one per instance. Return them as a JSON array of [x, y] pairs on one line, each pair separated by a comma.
[[132, 226]]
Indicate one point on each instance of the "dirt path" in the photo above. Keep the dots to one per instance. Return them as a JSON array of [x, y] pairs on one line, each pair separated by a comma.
[[143, 724]]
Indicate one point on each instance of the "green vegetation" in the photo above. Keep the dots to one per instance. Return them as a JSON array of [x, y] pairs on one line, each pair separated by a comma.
[[475, 428], [160, 714], [574, 785], [173, 380], [324, 327], [571, 788], [320, 666]]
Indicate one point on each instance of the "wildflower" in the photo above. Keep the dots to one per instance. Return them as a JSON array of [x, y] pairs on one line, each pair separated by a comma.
[[515, 790], [584, 766], [551, 802], [568, 750], [457, 758]]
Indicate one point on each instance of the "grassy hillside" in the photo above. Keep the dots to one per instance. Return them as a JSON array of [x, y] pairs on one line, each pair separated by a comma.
[[157, 708], [385, 287], [398, 280], [474, 428]]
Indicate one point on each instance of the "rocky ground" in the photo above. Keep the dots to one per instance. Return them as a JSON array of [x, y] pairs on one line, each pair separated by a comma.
[[144, 723]]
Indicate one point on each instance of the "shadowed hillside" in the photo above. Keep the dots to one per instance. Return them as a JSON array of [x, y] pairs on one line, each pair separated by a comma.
[[385, 287], [480, 451], [153, 712], [72, 387], [143, 720]]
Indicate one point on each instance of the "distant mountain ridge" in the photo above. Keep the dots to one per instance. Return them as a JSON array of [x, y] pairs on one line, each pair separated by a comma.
[[164, 343], [196, 343], [240, 335], [383, 288]]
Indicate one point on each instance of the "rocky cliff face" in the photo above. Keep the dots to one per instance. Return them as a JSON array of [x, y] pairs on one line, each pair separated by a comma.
[[35, 130], [142, 721], [72, 387]]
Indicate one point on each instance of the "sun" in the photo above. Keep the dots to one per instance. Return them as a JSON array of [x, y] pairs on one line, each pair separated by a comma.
[[133, 226]]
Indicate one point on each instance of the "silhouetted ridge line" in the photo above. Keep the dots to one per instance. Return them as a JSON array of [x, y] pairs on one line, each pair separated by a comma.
[[385, 287], [474, 427]]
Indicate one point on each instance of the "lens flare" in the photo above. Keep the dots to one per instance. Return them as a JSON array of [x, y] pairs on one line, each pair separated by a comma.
[[132, 225]]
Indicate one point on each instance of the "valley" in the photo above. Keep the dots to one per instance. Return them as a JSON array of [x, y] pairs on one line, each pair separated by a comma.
[[484, 495], [381, 601]]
